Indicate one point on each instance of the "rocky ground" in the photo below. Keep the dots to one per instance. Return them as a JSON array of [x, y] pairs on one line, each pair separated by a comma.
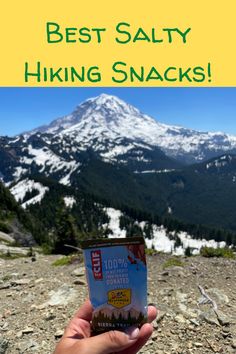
[[38, 299]]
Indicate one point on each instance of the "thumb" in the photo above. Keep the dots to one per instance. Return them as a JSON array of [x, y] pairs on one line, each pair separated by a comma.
[[112, 341]]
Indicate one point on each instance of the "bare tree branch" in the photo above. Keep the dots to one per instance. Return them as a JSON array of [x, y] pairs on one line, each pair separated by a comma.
[[75, 248], [206, 299]]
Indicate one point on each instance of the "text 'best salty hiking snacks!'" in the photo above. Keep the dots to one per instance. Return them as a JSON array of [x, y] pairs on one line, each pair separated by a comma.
[[117, 280]]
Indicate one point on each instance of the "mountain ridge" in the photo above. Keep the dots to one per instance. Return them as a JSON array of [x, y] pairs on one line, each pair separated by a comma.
[[109, 118]]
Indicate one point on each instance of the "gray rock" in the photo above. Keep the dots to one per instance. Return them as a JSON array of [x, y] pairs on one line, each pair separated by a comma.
[[4, 326], [193, 321], [174, 346], [165, 308], [3, 345], [19, 334], [177, 271], [80, 282], [166, 291], [29, 344], [78, 272], [181, 297], [39, 280], [5, 237], [223, 319], [64, 295], [4, 249], [225, 334], [58, 334], [161, 314], [233, 343], [180, 319], [155, 336], [27, 330], [5, 286], [218, 296], [210, 317], [188, 312], [162, 280], [198, 344], [49, 316], [20, 282]]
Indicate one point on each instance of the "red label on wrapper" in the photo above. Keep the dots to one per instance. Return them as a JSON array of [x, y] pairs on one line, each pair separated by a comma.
[[96, 259]]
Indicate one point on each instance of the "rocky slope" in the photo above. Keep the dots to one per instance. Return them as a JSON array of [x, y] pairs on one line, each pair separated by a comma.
[[38, 299]]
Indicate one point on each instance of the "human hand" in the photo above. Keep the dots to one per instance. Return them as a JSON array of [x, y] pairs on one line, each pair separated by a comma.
[[77, 336]]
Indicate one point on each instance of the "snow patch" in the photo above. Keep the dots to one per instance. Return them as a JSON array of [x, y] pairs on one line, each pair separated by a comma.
[[117, 150], [69, 201], [46, 158], [15, 140], [19, 172], [21, 188], [155, 171], [114, 223], [220, 162], [66, 179], [161, 240], [197, 244]]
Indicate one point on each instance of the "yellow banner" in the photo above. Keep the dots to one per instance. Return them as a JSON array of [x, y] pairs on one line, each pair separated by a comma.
[[121, 43]]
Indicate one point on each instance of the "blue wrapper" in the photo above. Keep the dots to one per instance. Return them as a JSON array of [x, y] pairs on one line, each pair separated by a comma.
[[117, 279]]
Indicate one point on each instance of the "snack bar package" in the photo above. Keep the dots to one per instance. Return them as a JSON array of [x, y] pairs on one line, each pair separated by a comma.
[[117, 280]]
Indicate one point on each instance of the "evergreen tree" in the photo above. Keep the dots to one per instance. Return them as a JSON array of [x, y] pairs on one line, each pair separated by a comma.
[[188, 252], [65, 232]]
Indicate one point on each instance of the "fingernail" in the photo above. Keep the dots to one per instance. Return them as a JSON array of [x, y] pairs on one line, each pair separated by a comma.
[[132, 332]]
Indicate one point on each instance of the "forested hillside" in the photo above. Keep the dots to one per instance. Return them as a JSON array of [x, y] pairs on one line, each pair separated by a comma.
[[15, 221]]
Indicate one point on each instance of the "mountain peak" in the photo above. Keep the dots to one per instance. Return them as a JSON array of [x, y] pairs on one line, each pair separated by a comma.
[[111, 103], [110, 107], [109, 120], [103, 98]]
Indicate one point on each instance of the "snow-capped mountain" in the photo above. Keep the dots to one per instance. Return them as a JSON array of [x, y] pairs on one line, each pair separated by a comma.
[[109, 129], [121, 127], [117, 156]]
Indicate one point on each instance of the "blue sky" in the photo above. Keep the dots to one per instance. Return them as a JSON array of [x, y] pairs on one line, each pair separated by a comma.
[[205, 109]]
